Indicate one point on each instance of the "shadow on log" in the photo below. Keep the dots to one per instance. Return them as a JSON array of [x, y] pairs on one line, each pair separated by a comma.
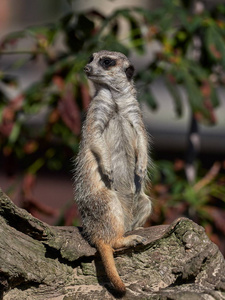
[[38, 261]]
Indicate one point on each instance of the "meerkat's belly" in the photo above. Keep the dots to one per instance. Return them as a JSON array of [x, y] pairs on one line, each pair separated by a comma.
[[120, 138]]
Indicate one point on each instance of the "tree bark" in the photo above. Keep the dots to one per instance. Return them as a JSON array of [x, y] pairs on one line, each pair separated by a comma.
[[38, 261]]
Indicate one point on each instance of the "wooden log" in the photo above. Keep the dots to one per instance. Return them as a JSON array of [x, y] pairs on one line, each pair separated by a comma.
[[38, 261]]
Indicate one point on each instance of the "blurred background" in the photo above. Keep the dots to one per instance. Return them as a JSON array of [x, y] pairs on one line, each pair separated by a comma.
[[178, 50]]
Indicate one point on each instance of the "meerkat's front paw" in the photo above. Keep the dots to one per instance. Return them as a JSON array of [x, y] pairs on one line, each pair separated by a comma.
[[140, 171], [129, 241], [107, 175], [139, 176], [136, 239]]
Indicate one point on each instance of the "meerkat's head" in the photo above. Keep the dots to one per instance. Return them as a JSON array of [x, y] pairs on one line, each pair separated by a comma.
[[109, 68]]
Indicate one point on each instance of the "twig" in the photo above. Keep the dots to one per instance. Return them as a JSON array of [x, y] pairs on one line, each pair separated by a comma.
[[208, 177]]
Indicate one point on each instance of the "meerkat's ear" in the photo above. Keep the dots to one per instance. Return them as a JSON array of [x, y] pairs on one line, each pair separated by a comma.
[[129, 72]]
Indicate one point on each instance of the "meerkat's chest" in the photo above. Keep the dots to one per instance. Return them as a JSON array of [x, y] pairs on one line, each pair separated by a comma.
[[119, 132], [121, 141]]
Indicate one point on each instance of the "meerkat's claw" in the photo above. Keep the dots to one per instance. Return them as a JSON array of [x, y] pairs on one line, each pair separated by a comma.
[[141, 172], [136, 239]]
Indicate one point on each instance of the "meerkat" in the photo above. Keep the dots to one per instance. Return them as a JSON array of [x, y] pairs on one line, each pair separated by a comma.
[[111, 166]]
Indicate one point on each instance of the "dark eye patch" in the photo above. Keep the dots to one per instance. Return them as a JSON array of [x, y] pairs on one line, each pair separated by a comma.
[[107, 62], [90, 59]]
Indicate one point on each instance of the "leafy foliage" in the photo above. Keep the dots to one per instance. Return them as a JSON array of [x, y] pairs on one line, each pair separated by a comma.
[[203, 202]]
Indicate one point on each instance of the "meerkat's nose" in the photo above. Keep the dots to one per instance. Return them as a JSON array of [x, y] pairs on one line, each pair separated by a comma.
[[87, 69]]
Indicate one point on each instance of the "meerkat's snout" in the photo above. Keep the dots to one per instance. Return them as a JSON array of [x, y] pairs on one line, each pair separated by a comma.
[[88, 69]]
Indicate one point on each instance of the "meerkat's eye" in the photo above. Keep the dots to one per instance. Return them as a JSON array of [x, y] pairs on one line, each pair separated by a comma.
[[90, 59], [107, 62]]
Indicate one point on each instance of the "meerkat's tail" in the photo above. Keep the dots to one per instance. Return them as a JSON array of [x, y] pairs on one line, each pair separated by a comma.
[[106, 253]]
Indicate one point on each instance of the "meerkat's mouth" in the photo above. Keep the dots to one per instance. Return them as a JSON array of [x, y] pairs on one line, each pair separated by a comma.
[[95, 77]]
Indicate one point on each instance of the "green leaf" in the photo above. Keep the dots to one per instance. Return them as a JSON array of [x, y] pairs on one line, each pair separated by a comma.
[[215, 44], [218, 192], [167, 170], [33, 95], [221, 8], [48, 31], [11, 38], [149, 74], [15, 132], [54, 164], [2, 107], [214, 97], [149, 98], [191, 196], [136, 35], [135, 30], [198, 71], [190, 23], [79, 63], [195, 98], [176, 96], [178, 188], [193, 91], [148, 15], [36, 166], [60, 67], [111, 43]]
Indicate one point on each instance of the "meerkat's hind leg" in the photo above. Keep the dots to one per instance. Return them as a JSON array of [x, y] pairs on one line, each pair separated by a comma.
[[142, 211]]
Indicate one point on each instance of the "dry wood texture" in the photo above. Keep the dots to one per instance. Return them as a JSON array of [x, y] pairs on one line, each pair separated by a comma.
[[39, 262]]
